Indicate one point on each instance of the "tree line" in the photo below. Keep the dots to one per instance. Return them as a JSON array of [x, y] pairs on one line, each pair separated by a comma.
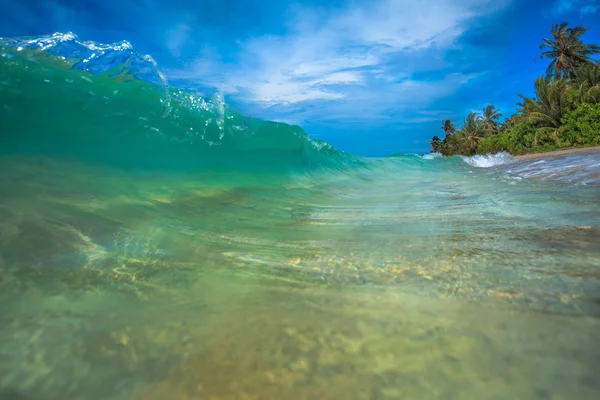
[[564, 111]]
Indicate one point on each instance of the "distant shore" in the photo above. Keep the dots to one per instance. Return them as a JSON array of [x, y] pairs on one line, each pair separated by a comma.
[[560, 152]]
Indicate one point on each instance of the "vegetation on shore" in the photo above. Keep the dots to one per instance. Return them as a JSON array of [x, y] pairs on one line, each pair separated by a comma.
[[564, 112]]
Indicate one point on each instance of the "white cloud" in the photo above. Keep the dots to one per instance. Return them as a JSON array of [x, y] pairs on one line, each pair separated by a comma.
[[343, 59], [584, 7], [589, 9], [177, 37], [375, 106]]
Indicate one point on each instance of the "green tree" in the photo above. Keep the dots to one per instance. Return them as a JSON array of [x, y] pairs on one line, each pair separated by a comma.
[[587, 84], [452, 145], [509, 122], [566, 50], [471, 131], [489, 119], [547, 108], [517, 139], [581, 126], [435, 144], [448, 127]]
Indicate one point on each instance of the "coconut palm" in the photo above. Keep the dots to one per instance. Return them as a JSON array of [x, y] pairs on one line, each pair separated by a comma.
[[435, 144], [471, 131], [510, 122], [451, 145], [488, 119], [547, 108], [472, 125], [588, 83], [448, 127], [566, 50], [589, 73]]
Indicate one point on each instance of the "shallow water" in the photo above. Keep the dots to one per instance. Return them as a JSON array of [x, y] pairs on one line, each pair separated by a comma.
[[120, 286], [285, 269]]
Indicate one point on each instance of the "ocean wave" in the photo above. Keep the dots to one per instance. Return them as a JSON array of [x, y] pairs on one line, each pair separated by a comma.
[[110, 103], [581, 168], [431, 156], [94, 57], [489, 160]]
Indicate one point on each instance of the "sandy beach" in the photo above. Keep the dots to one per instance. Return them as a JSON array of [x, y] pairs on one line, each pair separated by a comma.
[[561, 152]]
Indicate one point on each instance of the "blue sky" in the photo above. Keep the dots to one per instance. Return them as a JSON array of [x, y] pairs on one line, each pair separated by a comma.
[[369, 76]]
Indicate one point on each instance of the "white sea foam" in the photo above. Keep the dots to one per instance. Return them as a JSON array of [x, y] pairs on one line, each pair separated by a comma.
[[489, 160], [431, 156], [582, 168]]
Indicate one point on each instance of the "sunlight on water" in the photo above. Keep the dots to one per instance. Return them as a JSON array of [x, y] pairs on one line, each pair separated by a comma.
[[264, 265], [119, 286]]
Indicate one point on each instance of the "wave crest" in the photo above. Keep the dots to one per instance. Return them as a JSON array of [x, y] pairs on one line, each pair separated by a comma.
[[97, 58], [100, 101], [489, 160]]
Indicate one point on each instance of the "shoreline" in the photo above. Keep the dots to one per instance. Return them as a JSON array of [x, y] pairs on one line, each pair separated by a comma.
[[560, 152]]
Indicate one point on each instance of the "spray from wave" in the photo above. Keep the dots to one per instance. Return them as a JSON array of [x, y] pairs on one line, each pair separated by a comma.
[[431, 156], [489, 160]]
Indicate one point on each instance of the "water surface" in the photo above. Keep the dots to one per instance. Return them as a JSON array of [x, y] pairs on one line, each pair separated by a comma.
[[155, 244]]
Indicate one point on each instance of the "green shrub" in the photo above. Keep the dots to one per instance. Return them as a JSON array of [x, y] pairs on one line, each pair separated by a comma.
[[516, 140], [488, 145], [581, 126], [453, 144]]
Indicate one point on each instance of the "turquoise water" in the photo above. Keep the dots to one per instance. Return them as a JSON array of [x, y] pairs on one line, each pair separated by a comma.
[[155, 244]]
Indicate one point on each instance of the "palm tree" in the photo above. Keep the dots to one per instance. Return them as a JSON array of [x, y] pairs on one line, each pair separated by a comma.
[[448, 127], [547, 108], [509, 122], [451, 145], [488, 119], [566, 50], [471, 131], [435, 144], [588, 83]]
